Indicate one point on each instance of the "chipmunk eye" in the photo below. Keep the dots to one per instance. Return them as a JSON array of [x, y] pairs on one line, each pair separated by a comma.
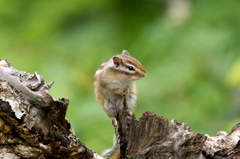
[[130, 68]]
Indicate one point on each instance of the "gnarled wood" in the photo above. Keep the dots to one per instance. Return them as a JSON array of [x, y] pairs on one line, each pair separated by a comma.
[[33, 125], [153, 137]]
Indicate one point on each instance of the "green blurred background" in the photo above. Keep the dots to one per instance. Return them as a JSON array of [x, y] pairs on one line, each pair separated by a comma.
[[190, 50]]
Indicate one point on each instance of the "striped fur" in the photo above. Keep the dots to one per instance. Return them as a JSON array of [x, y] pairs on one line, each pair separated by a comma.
[[115, 80]]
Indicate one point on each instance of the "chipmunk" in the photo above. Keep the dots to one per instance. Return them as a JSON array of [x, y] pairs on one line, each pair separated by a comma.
[[115, 80], [114, 84]]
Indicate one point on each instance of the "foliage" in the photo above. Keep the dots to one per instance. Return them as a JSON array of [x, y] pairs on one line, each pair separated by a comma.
[[192, 68]]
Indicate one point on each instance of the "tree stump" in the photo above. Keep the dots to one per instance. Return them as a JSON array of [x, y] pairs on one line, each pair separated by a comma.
[[33, 125]]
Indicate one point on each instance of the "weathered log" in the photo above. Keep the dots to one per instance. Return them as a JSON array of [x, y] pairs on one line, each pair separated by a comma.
[[33, 125], [153, 137]]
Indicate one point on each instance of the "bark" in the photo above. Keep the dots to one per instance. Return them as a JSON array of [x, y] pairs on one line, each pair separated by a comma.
[[33, 125], [153, 137]]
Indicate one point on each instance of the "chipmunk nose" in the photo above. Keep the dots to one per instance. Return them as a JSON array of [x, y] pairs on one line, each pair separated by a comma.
[[144, 74]]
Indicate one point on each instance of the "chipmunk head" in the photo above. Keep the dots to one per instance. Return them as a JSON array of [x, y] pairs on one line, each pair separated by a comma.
[[128, 67]]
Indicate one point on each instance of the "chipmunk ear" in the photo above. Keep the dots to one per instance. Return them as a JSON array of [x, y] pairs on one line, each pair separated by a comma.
[[125, 52], [117, 61]]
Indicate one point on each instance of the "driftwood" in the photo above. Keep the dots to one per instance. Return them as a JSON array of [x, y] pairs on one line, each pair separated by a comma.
[[33, 125]]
